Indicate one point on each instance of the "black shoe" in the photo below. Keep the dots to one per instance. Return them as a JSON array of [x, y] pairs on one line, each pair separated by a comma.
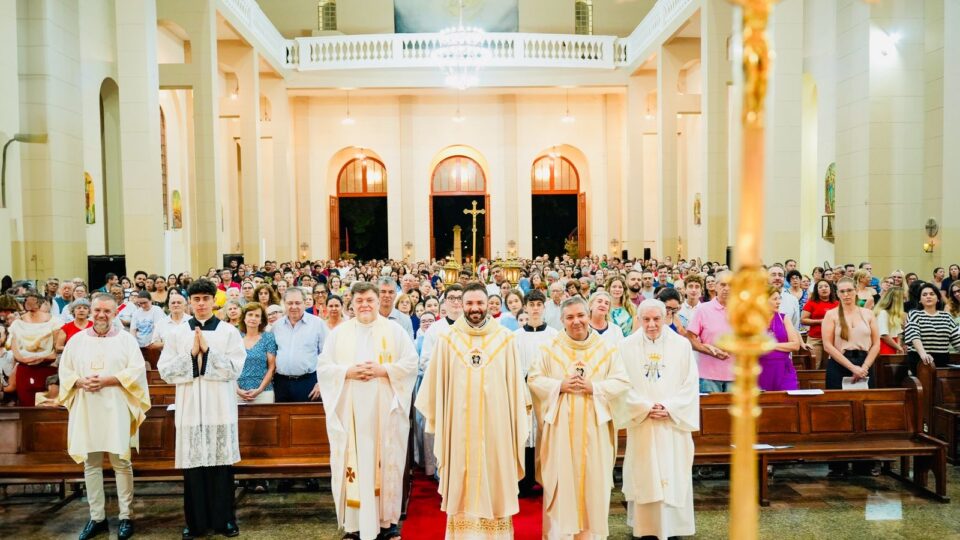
[[312, 484], [389, 533], [230, 530], [94, 529], [125, 530], [189, 534]]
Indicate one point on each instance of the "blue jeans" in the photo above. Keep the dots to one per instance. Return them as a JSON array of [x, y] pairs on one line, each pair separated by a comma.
[[710, 387]]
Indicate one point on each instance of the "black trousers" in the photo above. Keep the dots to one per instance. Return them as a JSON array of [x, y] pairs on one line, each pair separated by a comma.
[[836, 372], [293, 390], [208, 498], [530, 471]]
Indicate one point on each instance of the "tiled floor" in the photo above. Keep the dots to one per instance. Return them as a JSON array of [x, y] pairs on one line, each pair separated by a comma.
[[805, 506]]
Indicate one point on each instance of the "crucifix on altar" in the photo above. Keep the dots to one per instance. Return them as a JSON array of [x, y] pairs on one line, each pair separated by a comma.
[[473, 213]]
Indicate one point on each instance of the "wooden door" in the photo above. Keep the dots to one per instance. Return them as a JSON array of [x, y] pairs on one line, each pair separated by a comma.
[[334, 228], [582, 224]]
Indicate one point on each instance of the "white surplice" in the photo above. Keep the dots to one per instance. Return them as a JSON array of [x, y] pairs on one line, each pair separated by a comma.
[[368, 422], [108, 420], [206, 402], [529, 340], [658, 463]]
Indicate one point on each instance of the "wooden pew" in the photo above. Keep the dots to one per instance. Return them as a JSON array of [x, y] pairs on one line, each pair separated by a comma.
[[163, 394], [153, 377], [942, 407], [152, 356], [277, 440], [803, 360], [833, 426], [890, 371], [812, 379]]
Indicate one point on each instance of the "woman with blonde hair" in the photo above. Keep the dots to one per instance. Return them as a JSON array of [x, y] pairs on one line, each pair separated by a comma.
[[890, 319], [621, 309], [865, 292], [599, 311], [851, 339]]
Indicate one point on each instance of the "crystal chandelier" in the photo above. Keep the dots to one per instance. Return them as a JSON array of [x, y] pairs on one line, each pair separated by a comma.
[[460, 53]]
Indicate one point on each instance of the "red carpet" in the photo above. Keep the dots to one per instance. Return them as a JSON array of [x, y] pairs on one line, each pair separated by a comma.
[[425, 521]]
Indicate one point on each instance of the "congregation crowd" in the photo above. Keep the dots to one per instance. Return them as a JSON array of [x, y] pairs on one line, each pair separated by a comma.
[[253, 334]]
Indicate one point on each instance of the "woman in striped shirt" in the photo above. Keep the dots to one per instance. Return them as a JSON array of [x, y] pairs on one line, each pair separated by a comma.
[[930, 331]]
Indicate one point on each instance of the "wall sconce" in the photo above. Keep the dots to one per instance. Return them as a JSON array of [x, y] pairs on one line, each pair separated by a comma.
[[932, 228], [511, 249], [614, 246], [303, 249], [409, 249]]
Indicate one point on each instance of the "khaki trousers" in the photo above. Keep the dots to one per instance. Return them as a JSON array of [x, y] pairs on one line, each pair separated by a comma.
[[93, 478]]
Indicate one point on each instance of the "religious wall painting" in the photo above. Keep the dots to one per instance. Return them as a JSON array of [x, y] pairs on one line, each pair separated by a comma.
[[696, 209], [177, 210], [89, 198], [830, 190], [424, 16]]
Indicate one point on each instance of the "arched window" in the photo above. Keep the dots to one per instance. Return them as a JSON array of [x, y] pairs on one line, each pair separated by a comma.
[[583, 17], [327, 15], [554, 175], [458, 174], [362, 177], [163, 170]]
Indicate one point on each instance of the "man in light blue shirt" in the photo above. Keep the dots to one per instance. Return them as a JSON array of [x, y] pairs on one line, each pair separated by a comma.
[[300, 338], [388, 295]]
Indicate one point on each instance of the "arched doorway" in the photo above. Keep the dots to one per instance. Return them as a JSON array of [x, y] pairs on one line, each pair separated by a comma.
[[458, 181], [558, 210], [358, 214]]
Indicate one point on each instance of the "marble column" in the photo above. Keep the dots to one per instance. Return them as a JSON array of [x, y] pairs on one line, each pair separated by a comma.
[[139, 84], [53, 211], [715, 68], [11, 217], [251, 181], [950, 176]]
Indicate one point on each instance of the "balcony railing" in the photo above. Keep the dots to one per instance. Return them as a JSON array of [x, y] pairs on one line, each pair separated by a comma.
[[416, 50]]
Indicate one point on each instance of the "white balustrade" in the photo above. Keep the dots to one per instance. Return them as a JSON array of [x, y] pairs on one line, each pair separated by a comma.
[[416, 50]]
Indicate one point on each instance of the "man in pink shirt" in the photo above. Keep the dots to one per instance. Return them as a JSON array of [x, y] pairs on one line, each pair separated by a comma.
[[708, 325]]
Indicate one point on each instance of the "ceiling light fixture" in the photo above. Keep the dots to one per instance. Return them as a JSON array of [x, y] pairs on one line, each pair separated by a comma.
[[461, 53], [348, 120], [568, 118]]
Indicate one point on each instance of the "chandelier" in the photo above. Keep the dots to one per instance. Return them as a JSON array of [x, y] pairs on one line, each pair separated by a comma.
[[460, 53]]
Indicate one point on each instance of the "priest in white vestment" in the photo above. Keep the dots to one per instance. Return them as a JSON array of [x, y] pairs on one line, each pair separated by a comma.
[[574, 382], [204, 359], [103, 381], [367, 371], [530, 337], [660, 414], [453, 309], [474, 399]]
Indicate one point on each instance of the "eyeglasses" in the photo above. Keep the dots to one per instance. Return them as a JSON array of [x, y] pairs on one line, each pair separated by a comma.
[[955, 292], [454, 298]]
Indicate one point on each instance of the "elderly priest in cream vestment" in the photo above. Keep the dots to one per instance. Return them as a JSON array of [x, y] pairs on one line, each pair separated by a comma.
[[367, 372], [474, 399], [660, 414], [573, 381], [104, 386]]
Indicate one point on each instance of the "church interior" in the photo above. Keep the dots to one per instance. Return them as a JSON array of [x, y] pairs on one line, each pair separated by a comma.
[[171, 135]]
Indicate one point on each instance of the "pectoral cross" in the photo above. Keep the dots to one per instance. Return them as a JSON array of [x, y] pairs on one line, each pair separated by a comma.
[[473, 212]]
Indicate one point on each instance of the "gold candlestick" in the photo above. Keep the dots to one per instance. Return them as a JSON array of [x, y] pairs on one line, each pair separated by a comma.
[[748, 306]]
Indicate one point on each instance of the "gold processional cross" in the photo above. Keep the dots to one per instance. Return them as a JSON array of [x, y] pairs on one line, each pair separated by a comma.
[[748, 308], [474, 213]]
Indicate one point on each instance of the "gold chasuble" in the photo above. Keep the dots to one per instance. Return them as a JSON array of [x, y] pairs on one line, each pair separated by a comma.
[[473, 398], [577, 438]]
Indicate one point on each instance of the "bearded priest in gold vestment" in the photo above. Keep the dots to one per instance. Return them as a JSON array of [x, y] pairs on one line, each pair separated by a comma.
[[474, 400], [575, 381]]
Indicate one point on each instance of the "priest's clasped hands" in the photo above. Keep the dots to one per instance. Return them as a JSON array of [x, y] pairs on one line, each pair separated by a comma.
[[659, 412], [366, 371], [95, 383], [576, 384]]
